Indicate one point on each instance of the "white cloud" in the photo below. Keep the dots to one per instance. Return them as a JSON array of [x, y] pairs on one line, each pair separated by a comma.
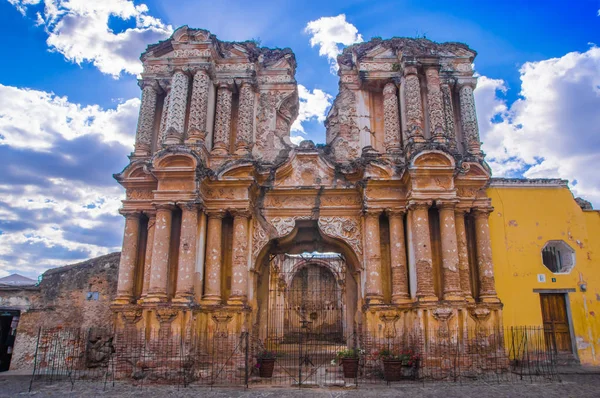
[[553, 129], [313, 106], [79, 29], [58, 202], [328, 33]]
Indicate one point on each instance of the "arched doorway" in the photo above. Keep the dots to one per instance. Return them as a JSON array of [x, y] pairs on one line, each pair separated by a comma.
[[306, 296]]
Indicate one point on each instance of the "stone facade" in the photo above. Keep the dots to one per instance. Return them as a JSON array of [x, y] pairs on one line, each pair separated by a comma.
[[215, 188]]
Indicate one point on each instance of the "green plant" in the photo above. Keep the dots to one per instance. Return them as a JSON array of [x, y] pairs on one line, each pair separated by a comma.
[[266, 354], [349, 353], [407, 357]]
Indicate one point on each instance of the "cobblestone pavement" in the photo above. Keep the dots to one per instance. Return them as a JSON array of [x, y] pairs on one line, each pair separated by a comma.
[[579, 386]]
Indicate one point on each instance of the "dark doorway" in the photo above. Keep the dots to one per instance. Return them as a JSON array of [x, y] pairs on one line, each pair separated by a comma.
[[8, 331], [557, 331]]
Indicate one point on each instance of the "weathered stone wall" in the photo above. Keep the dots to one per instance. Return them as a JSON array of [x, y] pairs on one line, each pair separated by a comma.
[[62, 301]]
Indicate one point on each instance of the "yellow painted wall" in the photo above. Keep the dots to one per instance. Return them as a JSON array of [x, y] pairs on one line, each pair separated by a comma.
[[524, 219]]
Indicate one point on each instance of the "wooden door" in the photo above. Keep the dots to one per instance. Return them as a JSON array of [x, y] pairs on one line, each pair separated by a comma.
[[556, 322]]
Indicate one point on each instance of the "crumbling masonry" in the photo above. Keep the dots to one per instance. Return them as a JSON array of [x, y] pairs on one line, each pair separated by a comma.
[[215, 189]]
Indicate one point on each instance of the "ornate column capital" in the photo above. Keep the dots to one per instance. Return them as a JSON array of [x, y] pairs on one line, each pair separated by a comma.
[[189, 206], [419, 204], [241, 213], [389, 88], [466, 81], [410, 67], [149, 83], [215, 213], [446, 203], [482, 211], [150, 213], [369, 213], [164, 206], [395, 212], [462, 209], [130, 214]]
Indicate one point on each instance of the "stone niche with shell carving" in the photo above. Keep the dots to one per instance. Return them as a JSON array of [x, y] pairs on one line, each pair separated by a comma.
[[215, 188]]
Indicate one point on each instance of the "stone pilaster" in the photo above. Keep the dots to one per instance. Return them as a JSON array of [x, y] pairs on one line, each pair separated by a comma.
[[447, 86], [414, 108], [463, 253], [239, 280], [187, 253], [159, 273], [468, 116], [223, 121], [435, 105], [148, 257], [450, 261], [243, 138], [400, 293], [421, 239], [212, 279], [198, 107], [128, 260], [374, 287], [145, 127], [391, 119], [162, 130], [487, 284], [177, 108]]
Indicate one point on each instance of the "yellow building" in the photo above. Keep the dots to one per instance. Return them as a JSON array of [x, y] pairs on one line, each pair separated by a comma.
[[537, 226]]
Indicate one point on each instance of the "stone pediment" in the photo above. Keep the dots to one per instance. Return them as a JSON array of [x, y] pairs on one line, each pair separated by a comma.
[[305, 170], [380, 52]]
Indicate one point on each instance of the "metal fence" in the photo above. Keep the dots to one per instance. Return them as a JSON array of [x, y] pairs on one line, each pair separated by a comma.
[[516, 354]]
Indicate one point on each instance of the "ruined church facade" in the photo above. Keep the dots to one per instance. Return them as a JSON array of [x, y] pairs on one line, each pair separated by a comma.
[[221, 205]]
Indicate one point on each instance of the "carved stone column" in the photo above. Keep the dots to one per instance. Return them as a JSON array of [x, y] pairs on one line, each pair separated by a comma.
[[148, 257], [450, 262], [468, 116], [128, 260], [435, 105], [177, 108], [463, 253], [419, 211], [223, 121], [400, 293], [239, 280], [212, 279], [243, 138], [187, 253], [198, 107], [487, 285], [413, 107], [157, 291], [391, 119], [374, 287], [145, 127], [447, 87], [162, 130]]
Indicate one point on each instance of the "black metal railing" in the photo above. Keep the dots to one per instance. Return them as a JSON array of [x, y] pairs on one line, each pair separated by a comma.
[[100, 355]]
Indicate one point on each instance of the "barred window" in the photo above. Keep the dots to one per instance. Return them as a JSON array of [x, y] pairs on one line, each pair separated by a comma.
[[558, 257]]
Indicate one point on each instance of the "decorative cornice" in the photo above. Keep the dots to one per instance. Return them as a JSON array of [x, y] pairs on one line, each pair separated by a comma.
[[528, 183]]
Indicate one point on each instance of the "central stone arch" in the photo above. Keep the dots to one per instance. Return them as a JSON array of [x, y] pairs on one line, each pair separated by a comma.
[[309, 251]]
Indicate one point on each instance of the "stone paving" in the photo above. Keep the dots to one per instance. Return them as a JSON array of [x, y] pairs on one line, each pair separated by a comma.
[[576, 385]]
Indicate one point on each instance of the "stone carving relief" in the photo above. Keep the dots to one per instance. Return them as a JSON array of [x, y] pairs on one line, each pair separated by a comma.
[[146, 117], [448, 113], [223, 118], [245, 116], [391, 120], [289, 201], [156, 68], [414, 108], [162, 132], [199, 105], [139, 194], [275, 79], [377, 66], [177, 103], [342, 127], [435, 105], [285, 225], [234, 67], [191, 53], [469, 118], [259, 239], [346, 228]]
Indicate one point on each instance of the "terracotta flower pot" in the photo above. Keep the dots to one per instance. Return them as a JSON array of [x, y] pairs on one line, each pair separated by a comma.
[[266, 367], [392, 370], [350, 366]]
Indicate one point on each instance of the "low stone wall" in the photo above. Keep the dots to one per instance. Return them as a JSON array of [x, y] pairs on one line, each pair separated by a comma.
[[77, 295]]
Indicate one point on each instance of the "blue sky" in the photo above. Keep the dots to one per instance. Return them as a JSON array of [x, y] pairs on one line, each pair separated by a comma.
[[69, 95]]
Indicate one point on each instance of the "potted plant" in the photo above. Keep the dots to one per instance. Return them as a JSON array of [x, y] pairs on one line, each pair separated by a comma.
[[265, 362], [348, 359], [399, 365]]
